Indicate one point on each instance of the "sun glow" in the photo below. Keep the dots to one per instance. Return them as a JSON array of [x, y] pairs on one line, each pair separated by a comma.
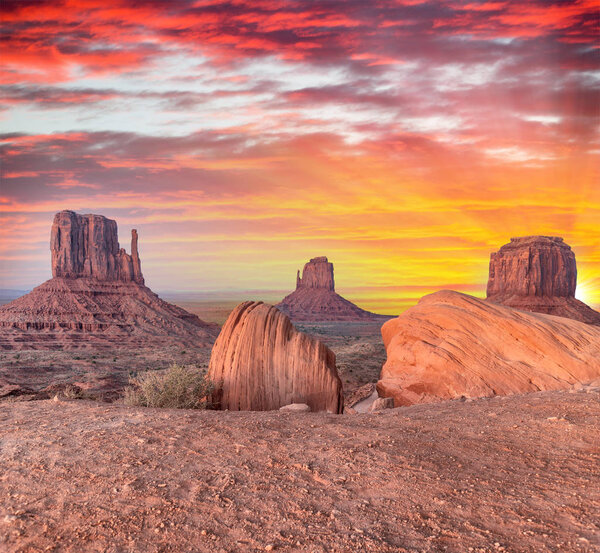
[[585, 292]]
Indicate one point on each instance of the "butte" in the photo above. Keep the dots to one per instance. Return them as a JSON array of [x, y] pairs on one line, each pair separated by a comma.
[[96, 297], [539, 274], [316, 300]]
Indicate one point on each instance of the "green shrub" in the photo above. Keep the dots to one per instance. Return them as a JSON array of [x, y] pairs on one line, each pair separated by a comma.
[[177, 388]]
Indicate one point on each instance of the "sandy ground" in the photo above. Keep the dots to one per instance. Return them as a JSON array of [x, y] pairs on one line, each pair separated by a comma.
[[513, 474], [103, 374]]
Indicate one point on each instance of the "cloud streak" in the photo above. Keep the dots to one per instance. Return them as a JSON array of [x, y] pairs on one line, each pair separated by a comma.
[[404, 139]]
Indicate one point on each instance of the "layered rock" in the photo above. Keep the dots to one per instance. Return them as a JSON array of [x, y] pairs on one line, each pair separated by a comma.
[[317, 273], [538, 273], [315, 298], [260, 362], [451, 345], [96, 298], [88, 246]]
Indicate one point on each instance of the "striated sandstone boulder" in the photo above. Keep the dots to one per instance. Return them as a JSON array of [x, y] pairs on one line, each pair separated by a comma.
[[451, 344], [538, 273], [97, 297], [260, 362], [88, 246], [315, 298]]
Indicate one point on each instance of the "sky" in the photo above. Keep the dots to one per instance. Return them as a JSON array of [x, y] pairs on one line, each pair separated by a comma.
[[405, 140]]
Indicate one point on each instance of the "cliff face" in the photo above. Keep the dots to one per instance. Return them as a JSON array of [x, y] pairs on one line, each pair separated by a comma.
[[451, 344], [533, 266], [88, 246], [260, 362], [538, 273], [317, 273]]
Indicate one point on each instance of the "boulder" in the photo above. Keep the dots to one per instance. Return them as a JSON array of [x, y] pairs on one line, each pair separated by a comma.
[[451, 344], [539, 274], [296, 407], [315, 298], [382, 403], [260, 362]]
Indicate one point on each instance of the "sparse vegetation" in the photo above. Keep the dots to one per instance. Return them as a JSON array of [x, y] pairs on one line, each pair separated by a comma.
[[71, 392], [178, 387]]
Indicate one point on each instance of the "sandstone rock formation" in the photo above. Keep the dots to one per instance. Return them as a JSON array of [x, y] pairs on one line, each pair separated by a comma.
[[88, 246], [96, 297], [538, 273], [315, 298], [451, 344], [260, 362]]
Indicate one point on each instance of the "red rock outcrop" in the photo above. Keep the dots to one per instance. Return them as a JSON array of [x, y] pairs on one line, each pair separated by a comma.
[[315, 298], [260, 362], [451, 345], [538, 273], [88, 246], [96, 298], [317, 273]]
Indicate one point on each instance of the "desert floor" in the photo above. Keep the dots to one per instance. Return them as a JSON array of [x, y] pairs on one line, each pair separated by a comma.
[[513, 474], [103, 374]]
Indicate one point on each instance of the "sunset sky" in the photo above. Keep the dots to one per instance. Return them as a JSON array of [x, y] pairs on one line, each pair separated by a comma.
[[405, 140]]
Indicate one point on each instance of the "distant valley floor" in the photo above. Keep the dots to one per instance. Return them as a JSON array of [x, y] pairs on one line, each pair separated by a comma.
[[103, 374]]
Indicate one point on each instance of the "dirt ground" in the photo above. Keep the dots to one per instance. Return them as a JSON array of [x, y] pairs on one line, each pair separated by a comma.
[[103, 374], [512, 474]]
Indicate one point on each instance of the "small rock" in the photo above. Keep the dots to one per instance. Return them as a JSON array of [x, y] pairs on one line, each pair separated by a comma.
[[298, 407], [382, 403]]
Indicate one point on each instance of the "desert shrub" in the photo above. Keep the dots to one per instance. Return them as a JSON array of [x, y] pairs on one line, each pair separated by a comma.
[[177, 388], [71, 391]]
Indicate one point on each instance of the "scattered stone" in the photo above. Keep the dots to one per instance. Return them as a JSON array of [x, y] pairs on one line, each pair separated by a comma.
[[382, 403], [298, 407]]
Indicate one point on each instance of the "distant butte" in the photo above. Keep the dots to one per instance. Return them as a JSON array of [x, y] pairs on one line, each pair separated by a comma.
[[316, 300], [539, 274], [96, 297]]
